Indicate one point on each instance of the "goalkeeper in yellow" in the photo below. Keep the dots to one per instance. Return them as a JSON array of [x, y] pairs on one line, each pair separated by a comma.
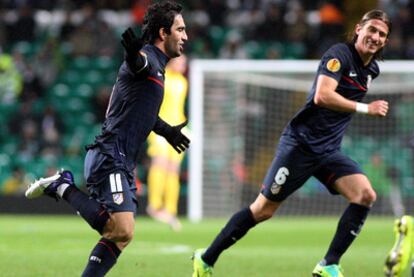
[[163, 176]]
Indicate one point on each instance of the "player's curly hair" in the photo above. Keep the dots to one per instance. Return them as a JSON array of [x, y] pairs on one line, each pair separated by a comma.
[[159, 15], [373, 14]]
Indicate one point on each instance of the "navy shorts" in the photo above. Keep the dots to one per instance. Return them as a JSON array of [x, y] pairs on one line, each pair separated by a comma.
[[292, 167], [112, 187]]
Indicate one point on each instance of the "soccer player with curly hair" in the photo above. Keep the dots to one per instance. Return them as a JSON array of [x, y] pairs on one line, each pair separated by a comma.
[[131, 115]]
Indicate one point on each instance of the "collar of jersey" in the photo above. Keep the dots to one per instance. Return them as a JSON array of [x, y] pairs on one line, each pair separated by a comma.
[[161, 57], [358, 57]]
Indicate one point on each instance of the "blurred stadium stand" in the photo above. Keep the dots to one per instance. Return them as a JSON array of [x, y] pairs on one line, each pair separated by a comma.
[[65, 55]]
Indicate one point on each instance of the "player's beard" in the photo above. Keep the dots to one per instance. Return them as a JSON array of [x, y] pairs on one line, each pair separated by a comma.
[[173, 49]]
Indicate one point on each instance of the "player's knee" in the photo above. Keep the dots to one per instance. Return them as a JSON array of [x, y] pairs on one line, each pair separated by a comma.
[[266, 215], [263, 209], [126, 236], [119, 233], [262, 214], [368, 197], [122, 235]]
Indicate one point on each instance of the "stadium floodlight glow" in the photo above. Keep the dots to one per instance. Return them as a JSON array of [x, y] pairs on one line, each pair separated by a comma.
[[234, 105]]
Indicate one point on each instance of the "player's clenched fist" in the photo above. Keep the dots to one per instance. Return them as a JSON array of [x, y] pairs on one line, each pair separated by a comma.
[[378, 108]]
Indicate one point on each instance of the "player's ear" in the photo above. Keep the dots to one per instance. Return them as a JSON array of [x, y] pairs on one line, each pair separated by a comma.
[[358, 28], [162, 33]]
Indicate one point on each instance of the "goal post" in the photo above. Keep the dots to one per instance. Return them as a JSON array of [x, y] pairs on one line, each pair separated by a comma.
[[238, 109]]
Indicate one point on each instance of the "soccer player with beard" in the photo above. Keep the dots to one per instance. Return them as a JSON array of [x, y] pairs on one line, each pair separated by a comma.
[[131, 115]]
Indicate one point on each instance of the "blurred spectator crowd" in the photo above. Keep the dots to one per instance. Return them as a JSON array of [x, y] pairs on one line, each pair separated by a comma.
[[59, 59]]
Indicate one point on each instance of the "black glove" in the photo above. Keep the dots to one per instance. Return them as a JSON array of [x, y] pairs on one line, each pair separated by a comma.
[[131, 43], [177, 139]]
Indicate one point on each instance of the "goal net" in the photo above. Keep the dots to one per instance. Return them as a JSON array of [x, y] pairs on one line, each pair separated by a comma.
[[238, 110]]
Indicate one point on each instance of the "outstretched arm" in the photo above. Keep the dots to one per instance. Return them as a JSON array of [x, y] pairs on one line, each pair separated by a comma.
[[136, 60]]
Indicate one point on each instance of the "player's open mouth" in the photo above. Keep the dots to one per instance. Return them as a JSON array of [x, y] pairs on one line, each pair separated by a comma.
[[371, 45]]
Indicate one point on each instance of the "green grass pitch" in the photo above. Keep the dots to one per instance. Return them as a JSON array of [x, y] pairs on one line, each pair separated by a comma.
[[282, 247]]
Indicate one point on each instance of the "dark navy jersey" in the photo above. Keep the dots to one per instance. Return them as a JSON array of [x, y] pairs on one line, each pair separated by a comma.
[[133, 109], [318, 129]]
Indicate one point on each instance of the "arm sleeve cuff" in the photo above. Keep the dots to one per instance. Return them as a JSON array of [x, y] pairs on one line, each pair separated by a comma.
[[161, 127], [138, 64]]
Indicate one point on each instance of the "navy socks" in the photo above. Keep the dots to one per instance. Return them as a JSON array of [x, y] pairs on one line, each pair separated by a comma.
[[88, 208], [235, 229], [348, 228], [102, 258], [105, 254]]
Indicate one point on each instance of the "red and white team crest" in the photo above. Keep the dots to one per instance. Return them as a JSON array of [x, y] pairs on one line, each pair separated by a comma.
[[118, 198], [275, 188], [115, 181]]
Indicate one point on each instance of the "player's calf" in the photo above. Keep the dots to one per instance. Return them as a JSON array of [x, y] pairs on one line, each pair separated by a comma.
[[102, 258]]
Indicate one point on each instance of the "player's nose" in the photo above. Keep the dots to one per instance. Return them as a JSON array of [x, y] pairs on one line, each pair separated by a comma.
[[375, 36], [184, 37]]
